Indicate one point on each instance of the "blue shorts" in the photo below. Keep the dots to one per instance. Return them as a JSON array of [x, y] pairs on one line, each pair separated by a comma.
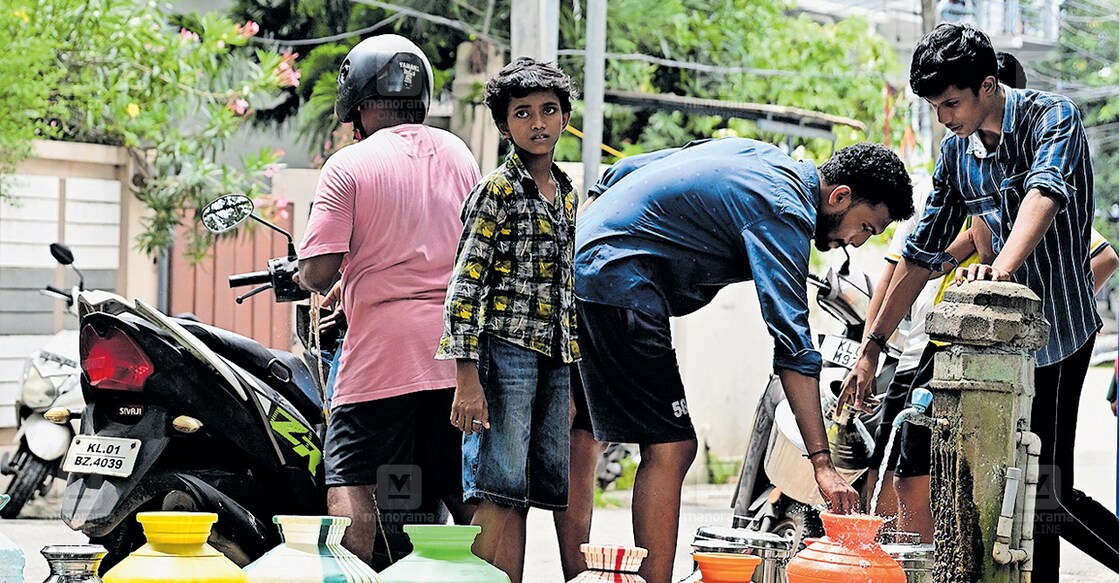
[[522, 459]]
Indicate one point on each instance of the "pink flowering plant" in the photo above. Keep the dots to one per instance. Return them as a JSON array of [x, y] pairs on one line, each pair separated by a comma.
[[129, 73]]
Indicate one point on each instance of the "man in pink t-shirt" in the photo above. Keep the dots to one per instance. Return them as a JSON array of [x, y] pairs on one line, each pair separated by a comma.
[[386, 216]]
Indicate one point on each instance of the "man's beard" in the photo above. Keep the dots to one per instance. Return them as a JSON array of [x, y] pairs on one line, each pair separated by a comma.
[[826, 225]]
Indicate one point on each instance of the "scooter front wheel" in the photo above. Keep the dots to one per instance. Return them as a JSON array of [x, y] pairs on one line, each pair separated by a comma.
[[799, 521], [32, 472]]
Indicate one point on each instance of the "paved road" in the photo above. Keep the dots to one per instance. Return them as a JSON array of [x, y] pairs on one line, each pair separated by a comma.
[[702, 505]]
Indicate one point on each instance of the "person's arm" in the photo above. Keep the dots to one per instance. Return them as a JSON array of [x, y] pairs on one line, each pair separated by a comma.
[[980, 235], [803, 393], [923, 253], [1104, 265], [906, 284], [1034, 217], [962, 247], [318, 274], [893, 256], [1104, 261], [326, 239], [778, 248], [482, 217], [335, 317], [469, 404], [880, 288]]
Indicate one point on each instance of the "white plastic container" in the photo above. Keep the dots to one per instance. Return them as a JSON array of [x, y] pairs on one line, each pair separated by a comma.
[[11, 556]]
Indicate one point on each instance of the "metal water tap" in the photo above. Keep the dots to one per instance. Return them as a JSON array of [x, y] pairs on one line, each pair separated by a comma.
[[919, 402]]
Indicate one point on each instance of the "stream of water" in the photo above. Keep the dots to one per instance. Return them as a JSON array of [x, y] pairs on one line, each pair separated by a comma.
[[882, 470]]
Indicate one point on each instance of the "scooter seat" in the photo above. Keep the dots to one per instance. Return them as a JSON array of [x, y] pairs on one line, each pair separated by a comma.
[[282, 370]]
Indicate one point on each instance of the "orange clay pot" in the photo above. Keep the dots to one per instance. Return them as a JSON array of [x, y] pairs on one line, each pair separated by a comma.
[[848, 554], [726, 567]]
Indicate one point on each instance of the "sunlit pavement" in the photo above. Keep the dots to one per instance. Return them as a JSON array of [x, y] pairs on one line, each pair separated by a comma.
[[702, 505]]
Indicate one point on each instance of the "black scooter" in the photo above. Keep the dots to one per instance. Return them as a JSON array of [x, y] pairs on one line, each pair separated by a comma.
[[185, 416]]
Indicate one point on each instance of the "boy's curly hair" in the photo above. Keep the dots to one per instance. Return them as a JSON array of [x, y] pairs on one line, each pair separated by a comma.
[[523, 76], [875, 175]]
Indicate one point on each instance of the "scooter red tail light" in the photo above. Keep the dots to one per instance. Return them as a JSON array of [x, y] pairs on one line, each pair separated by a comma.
[[112, 360]]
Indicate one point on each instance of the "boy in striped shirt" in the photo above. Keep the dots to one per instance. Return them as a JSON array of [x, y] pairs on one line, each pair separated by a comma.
[[1018, 160]]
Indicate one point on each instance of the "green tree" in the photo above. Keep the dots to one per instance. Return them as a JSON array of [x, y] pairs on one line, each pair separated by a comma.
[[764, 55], [22, 100], [299, 23], [761, 53], [1084, 67], [119, 72]]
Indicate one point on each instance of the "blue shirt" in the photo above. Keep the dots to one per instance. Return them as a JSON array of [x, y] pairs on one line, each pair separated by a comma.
[[672, 228], [1043, 146]]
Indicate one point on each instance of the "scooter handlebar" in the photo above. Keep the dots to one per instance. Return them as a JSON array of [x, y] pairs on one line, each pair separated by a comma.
[[56, 291], [254, 278]]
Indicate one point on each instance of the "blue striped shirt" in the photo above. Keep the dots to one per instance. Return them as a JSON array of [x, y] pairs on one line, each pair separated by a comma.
[[1043, 146]]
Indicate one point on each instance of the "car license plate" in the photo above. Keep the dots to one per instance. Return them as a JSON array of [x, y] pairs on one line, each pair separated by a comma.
[[839, 350], [108, 456]]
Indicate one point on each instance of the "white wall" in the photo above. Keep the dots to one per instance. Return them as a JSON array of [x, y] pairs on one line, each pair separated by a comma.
[[725, 357]]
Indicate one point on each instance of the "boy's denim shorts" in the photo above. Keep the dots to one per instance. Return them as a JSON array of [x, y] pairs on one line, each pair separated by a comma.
[[522, 459]]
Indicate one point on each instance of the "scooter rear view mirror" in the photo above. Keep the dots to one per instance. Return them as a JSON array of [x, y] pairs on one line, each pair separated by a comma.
[[62, 253], [226, 212], [64, 256]]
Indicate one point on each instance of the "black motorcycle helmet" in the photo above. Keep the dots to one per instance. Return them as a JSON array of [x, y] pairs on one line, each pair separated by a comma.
[[387, 67]]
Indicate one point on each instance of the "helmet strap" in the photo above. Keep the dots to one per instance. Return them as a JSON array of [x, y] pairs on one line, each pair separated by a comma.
[[358, 126]]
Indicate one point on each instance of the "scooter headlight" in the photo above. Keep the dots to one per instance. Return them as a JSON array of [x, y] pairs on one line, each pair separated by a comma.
[[36, 391]]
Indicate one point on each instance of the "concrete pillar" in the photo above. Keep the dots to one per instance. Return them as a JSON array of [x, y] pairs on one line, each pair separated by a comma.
[[534, 29], [983, 386], [474, 64], [594, 89]]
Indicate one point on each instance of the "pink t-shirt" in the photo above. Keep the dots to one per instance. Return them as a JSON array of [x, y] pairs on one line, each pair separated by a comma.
[[391, 203]]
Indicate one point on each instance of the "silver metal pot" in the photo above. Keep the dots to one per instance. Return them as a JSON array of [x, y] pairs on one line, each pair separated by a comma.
[[786, 465], [915, 559], [773, 550]]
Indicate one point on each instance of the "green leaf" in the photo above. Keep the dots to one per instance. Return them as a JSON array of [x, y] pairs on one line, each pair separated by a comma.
[[120, 72]]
